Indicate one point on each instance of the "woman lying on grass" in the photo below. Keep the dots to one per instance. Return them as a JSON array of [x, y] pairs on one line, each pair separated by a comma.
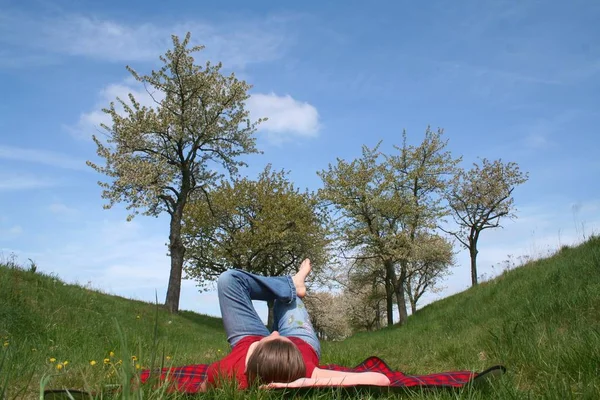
[[286, 357]]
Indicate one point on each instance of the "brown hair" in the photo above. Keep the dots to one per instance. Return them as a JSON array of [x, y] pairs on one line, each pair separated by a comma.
[[275, 361]]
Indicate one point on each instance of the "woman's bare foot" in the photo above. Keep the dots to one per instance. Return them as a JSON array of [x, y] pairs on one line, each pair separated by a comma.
[[300, 277]]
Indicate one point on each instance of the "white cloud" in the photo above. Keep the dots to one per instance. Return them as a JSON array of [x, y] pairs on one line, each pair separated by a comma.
[[122, 91], [236, 43], [89, 123], [538, 133], [10, 233], [9, 183], [287, 117], [15, 230], [543, 133], [39, 156], [11, 61], [537, 141], [62, 209]]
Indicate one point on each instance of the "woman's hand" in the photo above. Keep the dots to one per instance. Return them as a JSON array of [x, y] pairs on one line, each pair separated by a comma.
[[298, 383]]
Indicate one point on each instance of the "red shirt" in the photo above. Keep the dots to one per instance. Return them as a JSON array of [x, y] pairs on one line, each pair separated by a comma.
[[233, 365]]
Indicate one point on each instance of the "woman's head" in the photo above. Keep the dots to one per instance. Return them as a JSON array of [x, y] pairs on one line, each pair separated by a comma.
[[276, 360]]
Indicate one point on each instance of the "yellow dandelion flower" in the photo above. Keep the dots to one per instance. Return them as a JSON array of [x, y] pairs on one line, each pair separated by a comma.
[[138, 366], [106, 361], [6, 343], [119, 362], [112, 354], [65, 363], [133, 358], [138, 317], [59, 366], [93, 362], [52, 359], [169, 358]]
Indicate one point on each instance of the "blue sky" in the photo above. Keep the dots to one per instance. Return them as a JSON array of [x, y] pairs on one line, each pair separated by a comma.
[[505, 79]]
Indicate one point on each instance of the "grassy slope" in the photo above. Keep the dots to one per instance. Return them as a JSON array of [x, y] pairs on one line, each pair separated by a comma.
[[43, 318], [542, 321]]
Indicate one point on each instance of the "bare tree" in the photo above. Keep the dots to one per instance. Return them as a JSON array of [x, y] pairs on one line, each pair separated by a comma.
[[365, 298], [479, 198], [431, 258], [329, 315]]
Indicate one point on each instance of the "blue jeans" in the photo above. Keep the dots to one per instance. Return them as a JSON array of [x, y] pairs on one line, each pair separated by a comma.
[[237, 289]]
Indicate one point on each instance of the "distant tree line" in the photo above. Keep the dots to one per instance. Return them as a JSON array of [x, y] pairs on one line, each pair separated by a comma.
[[381, 227]]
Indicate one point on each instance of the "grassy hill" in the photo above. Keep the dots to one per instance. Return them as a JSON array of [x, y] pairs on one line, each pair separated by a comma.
[[542, 321]]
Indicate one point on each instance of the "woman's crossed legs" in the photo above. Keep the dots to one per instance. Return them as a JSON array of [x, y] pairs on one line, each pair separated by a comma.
[[237, 289]]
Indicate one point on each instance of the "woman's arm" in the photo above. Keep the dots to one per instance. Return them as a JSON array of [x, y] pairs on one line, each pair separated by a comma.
[[355, 378], [325, 377]]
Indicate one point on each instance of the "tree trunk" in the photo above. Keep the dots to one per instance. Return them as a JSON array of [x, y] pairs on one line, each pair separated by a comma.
[[401, 296], [270, 315], [389, 301], [473, 252], [177, 252], [412, 299]]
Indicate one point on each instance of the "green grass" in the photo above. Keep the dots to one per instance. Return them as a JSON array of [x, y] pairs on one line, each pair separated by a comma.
[[541, 320]]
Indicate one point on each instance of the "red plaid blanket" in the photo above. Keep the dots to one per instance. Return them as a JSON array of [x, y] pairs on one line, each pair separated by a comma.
[[189, 378]]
